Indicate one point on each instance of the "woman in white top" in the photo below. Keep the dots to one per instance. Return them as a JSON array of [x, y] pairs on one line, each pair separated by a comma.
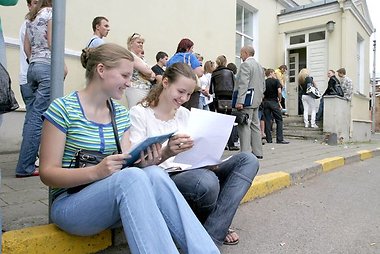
[[214, 195], [205, 80], [142, 74]]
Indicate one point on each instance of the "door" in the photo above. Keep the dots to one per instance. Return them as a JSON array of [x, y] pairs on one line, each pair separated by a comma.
[[292, 87]]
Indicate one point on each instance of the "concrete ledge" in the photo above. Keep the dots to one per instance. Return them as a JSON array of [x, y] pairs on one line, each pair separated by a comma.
[[266, 184], [365, 154], [50, 239], [329, 164], [352, 159], [306, 173]]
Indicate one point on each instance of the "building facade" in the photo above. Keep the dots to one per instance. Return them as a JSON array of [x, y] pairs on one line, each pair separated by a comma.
[[291, 32]]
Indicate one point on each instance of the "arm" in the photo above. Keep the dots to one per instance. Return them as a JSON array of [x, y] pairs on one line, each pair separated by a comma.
[[51, 172], [198, 71], [49, 33], [242, 84], [27, 47], [143, 68], [8, 2]]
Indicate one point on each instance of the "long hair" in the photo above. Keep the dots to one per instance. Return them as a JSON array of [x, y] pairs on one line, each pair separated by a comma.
[[40, 5], [172, 73], [109, 54], [302, 76], [184, 45]]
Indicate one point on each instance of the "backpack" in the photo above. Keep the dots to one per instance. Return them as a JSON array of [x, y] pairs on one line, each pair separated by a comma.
[[8, 101]]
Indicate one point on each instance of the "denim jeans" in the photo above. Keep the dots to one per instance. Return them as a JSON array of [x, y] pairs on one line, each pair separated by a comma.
[[39, 84], [27, 97], [215, 195], [150, 208]]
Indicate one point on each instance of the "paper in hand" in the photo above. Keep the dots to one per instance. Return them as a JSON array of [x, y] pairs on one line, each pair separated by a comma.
[[210, 132]]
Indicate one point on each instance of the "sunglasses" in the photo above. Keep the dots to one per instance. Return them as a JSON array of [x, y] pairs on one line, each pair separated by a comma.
[[135, 34]]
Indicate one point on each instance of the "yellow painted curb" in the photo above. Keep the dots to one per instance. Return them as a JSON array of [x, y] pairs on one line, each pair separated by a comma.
[[329, 164], [266, 184], [49, 239], [365, 154]]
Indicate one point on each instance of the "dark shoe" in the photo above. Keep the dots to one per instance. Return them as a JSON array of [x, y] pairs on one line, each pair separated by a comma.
[[283, 142], [269, 141], [259, 157], [233, 148], [35, 173]]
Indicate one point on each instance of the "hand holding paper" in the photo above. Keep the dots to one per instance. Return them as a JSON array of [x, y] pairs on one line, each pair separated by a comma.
[[210, 132]]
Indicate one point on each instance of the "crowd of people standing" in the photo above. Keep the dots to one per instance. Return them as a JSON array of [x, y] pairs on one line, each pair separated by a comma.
[[196, 207]]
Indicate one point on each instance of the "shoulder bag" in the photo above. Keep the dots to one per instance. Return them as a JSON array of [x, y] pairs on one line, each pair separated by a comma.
[[86, 158]]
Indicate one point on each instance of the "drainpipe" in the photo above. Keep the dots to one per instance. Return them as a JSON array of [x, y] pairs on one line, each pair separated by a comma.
[[373, 98], [57, 56]]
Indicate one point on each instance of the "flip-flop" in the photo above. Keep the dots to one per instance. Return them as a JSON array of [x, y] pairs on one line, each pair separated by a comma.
[[231, 231]]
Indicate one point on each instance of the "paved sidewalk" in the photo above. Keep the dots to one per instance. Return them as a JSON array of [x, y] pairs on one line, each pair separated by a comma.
[[24, 201]]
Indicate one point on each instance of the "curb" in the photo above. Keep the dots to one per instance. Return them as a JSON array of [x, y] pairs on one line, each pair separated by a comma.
[[50, 239]]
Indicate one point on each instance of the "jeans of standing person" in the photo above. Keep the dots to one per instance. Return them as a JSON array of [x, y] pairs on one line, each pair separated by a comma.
[[319, 116], [309, 106], [202, 103], [233, 137], [145, 201], [215, 196], [250, 134], [28, 98], [271, 108], [39, 83]]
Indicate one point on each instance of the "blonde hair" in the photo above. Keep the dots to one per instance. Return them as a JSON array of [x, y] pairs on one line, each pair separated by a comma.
[[132, 38], [108, 54], [221, 61], [172, 73], [209, 66], [302, 76]]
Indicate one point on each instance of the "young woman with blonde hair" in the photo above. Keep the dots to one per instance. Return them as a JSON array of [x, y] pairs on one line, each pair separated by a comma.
[[144, 200]]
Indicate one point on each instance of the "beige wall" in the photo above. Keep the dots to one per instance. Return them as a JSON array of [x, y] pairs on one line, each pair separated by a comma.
[[210, 24]]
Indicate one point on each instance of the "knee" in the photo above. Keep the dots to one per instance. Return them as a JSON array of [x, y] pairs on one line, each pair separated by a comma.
[[250, 162], [208, 189], [129, 176], [156, 174]]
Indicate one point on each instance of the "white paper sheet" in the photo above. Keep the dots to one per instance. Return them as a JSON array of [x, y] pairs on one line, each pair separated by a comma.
[[210, 132]]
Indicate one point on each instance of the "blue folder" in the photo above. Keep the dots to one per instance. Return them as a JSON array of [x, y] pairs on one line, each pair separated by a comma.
[[248, 98]]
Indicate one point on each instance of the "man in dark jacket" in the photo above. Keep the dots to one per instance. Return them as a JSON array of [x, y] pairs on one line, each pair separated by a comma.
[[330, 90], [271, 104]]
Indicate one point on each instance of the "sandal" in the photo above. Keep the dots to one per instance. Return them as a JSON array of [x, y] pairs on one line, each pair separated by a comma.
[[230, 233]]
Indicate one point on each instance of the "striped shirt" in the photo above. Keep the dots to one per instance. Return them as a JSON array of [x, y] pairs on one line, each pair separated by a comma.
[[67, 115]]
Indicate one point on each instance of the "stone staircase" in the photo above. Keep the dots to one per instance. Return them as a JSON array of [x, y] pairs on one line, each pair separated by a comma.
[[294, 128]]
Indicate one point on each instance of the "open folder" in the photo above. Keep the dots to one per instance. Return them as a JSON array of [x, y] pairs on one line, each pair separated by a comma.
[[135, 150], [210, 132]]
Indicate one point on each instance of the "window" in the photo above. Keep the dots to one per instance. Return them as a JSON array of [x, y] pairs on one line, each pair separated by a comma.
[[360, 65], [297, 39], [244, 29], [317, 36]]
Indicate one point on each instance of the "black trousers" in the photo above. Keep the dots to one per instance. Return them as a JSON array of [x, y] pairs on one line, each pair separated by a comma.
[[272, 109]]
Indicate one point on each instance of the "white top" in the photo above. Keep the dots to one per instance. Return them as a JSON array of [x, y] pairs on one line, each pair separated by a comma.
[[145, 124], [37, 30], [23, 63], [94, 42], [205, 81]]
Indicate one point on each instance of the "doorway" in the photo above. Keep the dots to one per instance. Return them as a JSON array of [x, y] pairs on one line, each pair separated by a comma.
[[297, 61]]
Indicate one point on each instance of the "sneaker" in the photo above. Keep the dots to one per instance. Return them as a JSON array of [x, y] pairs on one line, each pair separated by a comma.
[[306, 125], [314, 126]]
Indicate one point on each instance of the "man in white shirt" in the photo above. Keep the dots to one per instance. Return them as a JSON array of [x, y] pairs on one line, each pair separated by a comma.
[[101, 28]]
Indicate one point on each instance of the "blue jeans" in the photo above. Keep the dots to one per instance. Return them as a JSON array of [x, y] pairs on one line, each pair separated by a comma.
[[215, 195], [147, 203], [27, 97], [39, 85]]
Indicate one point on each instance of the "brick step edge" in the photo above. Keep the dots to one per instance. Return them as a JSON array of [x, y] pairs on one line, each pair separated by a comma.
[[50, 239]]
